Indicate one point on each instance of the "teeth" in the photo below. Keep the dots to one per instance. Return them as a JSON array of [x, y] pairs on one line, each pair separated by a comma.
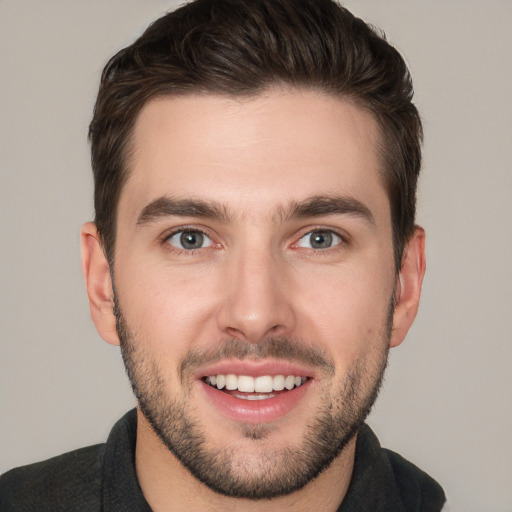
[[231, 382], [289, 382], [278, 382], [261, 384], [246, 384], [255, 397], [221, 381]]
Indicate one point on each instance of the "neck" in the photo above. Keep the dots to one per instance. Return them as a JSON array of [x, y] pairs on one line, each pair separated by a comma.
[[168, 486]]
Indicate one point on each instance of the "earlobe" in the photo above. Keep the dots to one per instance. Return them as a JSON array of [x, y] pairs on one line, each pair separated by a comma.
[[98, 282], [408, 286]]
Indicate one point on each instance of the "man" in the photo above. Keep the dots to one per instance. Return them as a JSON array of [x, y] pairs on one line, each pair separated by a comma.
[[254, 254]]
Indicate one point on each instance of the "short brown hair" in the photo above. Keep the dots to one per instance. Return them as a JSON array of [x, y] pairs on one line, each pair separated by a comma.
[[241, 48]]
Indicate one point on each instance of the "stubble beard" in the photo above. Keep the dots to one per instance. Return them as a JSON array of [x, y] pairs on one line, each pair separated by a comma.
[[270, 473]]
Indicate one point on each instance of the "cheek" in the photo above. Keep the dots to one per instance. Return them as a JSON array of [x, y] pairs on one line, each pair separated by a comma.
[[166, 306], [345, 310]]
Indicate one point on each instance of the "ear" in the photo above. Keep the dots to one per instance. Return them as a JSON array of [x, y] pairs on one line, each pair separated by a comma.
[[98, 282], [408, 286]]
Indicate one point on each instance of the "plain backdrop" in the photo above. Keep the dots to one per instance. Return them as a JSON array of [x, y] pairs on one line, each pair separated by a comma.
[[446, 403]]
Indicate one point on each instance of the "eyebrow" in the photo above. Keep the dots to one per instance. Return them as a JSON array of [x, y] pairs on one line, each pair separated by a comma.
[[319, 206], [316, 206], [169, 207]]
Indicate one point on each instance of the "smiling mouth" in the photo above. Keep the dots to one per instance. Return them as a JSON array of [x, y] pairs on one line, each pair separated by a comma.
[[246, 387]]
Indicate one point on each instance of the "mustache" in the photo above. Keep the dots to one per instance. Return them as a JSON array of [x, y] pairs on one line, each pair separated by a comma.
[[282, 347]]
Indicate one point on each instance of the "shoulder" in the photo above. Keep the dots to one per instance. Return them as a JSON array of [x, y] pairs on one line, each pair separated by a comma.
[[384, 481], [69, 482], [418, 490]]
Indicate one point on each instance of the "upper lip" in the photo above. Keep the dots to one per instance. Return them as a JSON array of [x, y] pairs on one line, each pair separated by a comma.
[[254, 368]]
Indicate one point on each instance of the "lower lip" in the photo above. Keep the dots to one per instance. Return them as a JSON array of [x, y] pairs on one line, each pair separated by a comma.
[[255, 411]]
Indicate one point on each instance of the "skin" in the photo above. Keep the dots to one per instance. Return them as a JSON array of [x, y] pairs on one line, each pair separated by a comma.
[[259, 277]]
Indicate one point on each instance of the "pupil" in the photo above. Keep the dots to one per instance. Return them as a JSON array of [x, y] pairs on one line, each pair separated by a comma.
[[191, 240], [321, 240]]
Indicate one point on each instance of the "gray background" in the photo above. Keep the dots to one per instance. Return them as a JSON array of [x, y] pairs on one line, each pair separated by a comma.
[[446, 402]]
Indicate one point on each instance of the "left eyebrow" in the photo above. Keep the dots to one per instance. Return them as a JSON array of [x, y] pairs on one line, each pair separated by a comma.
[[319, 206], [169, 207]]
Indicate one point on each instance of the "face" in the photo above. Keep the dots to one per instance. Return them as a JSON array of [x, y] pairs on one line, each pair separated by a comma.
[[254, 282]]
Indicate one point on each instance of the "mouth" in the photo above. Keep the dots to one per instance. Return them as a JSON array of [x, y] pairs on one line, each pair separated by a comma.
[[255, 391], [246, 387]]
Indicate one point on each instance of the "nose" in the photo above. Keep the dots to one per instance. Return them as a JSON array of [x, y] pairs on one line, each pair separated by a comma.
[[256, 300]]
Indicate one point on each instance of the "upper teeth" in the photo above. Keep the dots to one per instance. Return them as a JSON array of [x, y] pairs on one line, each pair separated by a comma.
[[262, 384]]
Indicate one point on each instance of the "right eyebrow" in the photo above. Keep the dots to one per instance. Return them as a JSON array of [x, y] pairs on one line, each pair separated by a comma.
[[168, 207]]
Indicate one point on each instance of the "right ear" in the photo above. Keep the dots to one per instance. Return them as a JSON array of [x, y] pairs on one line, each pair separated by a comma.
[[98, 282]]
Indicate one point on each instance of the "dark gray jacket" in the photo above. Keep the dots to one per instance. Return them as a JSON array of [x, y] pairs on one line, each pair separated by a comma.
[[102, 478]]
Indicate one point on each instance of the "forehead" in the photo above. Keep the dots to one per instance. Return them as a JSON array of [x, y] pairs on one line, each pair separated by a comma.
[[254, 154]]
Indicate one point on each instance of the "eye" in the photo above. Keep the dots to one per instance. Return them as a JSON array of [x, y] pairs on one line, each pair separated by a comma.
[[319, 239], [189, 240]]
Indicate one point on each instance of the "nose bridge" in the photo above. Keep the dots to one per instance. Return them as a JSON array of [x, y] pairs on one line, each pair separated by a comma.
[[255, 304]]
